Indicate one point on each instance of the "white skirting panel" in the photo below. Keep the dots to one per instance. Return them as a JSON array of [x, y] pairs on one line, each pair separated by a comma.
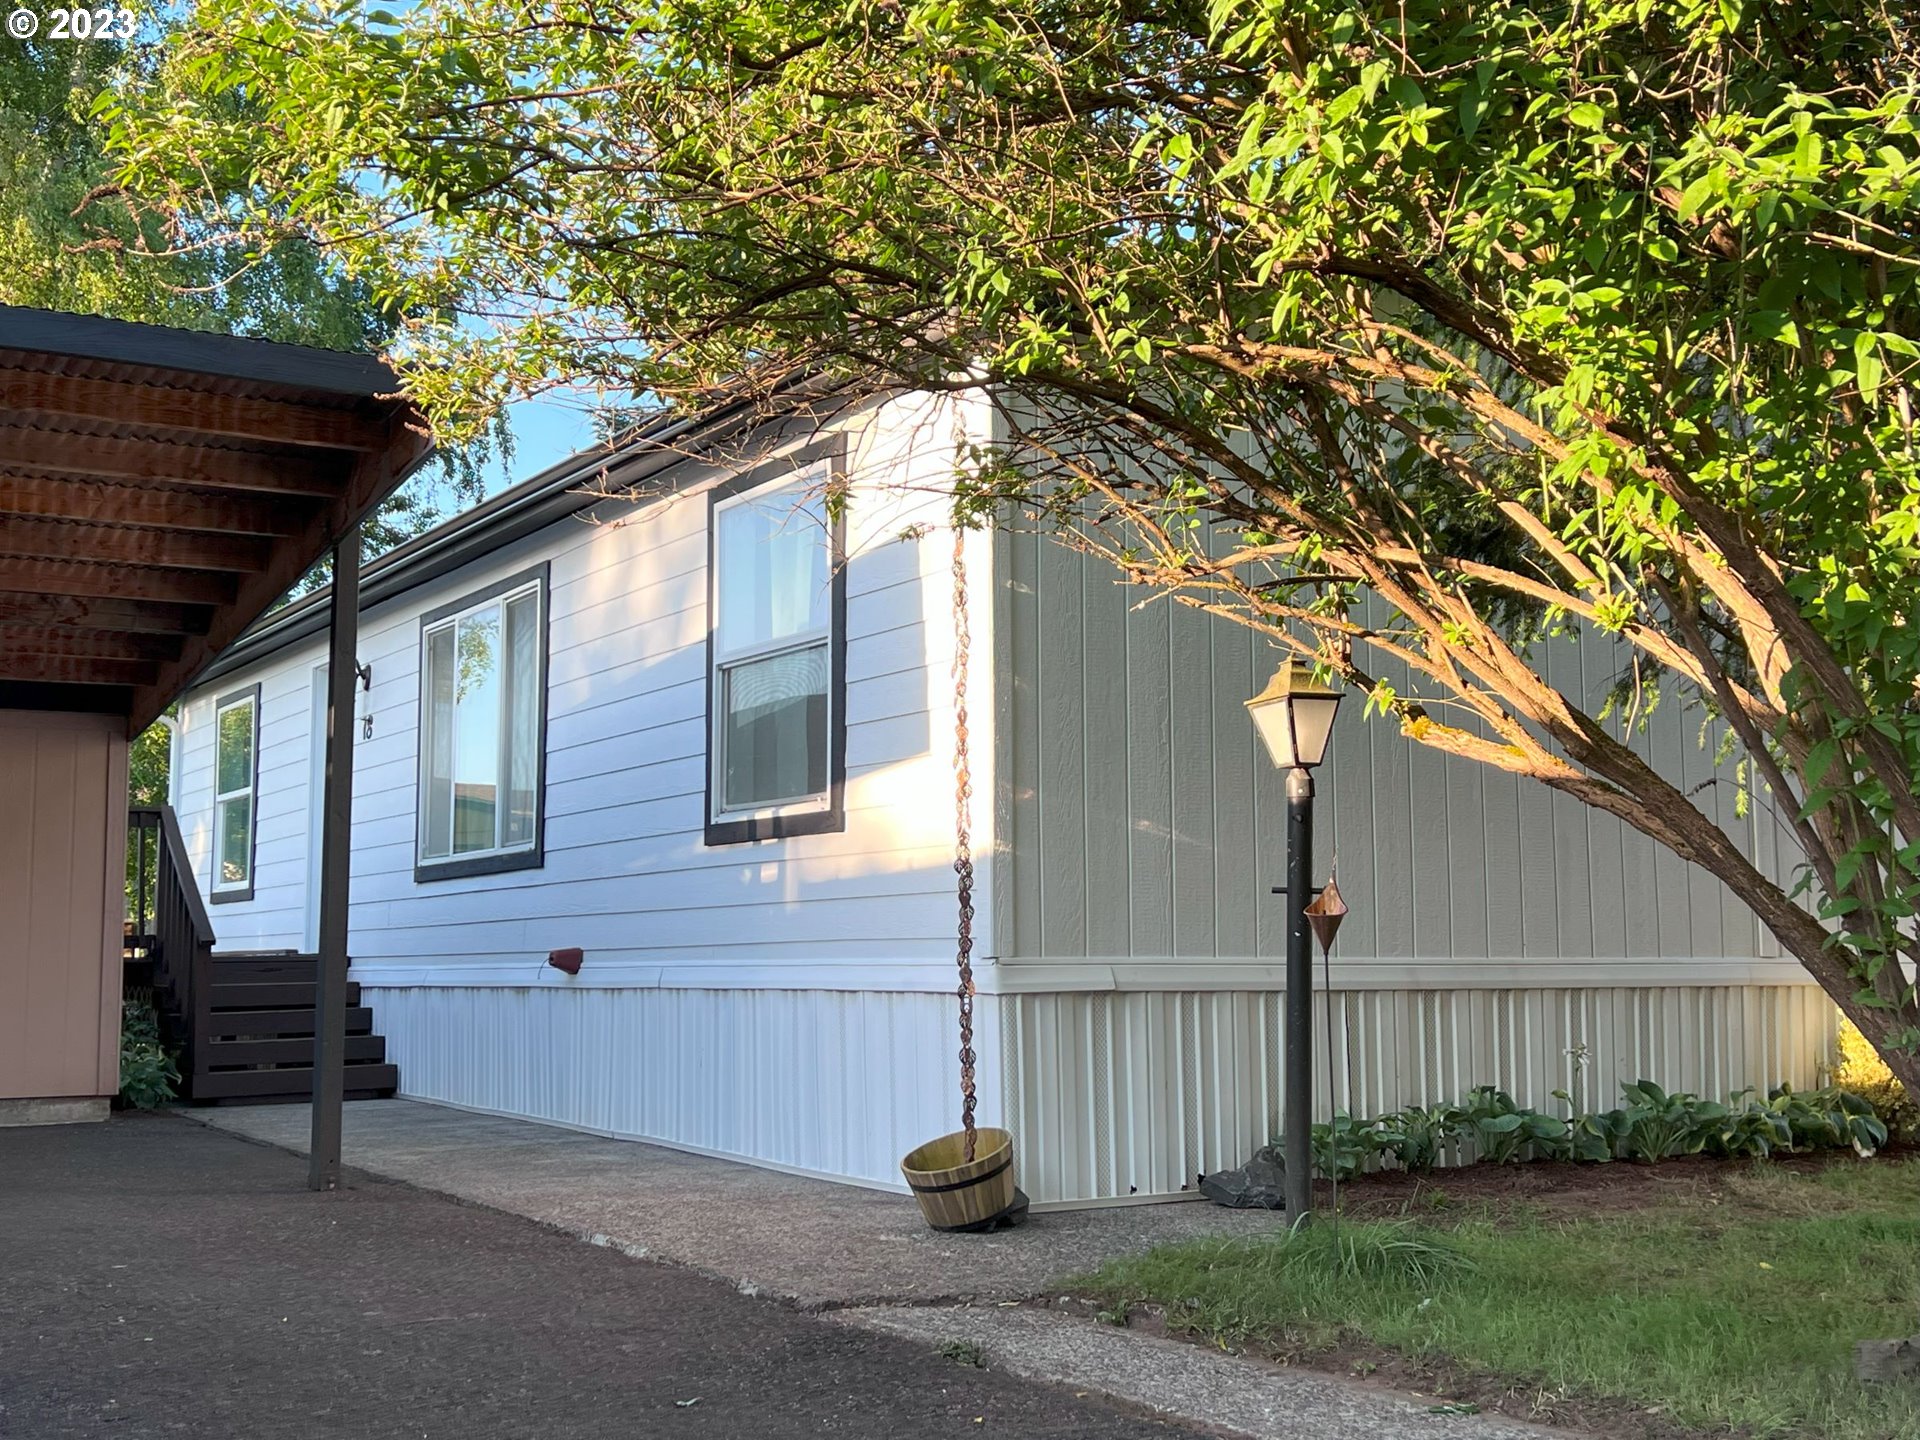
[[1120, 1094], [833, 1083]]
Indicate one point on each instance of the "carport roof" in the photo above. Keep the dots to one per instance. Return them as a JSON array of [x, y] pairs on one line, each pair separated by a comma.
[[160, 489]]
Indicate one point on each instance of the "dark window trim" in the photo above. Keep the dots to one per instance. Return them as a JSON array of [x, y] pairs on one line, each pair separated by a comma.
[[832, 449], [534, 857], [238, 894]]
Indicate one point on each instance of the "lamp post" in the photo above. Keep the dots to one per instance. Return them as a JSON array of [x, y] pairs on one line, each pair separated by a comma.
[[1294, 717]]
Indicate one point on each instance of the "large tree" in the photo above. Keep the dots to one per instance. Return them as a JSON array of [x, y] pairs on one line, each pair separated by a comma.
[[70, 240], [1403, 332]]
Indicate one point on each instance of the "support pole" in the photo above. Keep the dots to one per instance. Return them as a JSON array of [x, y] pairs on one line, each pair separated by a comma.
[[330, 981], [1297, 1127]]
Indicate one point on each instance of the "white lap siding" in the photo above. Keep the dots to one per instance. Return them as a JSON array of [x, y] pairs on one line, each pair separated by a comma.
[[732, 996]]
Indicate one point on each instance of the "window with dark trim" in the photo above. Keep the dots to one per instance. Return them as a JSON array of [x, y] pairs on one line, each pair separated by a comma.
[[776, 651], [483, 720], [236, 793]]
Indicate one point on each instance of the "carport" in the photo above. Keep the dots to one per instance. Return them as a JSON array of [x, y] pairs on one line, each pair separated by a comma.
[[160, 490]]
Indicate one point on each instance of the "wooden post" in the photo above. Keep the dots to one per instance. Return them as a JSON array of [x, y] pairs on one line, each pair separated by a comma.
[[330, 976]]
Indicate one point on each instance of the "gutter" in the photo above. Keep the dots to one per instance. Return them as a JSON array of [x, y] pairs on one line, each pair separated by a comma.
[[554, 494]]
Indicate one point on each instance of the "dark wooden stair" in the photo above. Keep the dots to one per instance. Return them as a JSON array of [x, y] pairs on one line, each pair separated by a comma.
[[258, 1034], [242, 1022]]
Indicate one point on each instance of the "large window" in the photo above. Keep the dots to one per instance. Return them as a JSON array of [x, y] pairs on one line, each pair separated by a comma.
[[482, 716], [776, 671], [236, 771]]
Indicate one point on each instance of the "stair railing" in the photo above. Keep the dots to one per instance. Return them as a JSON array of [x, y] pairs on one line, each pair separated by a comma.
[[180, 935]]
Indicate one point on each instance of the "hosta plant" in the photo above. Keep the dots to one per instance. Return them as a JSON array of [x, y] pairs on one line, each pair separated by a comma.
[[1342, 1149], [1592, 1136], [1502, 1131], [1658, 1125], [1828, 1117], [1750, 1129], [1417, 1137]]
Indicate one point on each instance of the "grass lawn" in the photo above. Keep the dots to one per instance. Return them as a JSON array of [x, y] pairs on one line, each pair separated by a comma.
[[1731, 1306]]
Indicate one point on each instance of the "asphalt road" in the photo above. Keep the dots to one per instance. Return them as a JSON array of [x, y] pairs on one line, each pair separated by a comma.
[[162, 1279]]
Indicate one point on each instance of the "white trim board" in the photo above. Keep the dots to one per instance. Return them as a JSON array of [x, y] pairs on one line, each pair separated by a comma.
[[1023, 977]]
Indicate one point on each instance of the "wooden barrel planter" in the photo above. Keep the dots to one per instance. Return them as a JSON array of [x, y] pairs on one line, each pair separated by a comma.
[[956, 1193]]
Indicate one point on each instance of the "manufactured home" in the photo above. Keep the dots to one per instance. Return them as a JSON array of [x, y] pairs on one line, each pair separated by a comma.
[[687, 706]]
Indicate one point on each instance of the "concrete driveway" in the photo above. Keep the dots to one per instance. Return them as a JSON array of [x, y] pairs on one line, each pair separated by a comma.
[[817, 1243]]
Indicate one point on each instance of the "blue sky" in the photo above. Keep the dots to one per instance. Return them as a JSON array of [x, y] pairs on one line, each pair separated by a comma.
[[544, 431]]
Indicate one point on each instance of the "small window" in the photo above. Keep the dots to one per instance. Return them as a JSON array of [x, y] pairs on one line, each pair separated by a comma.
[[776, 670], [483, 717], [236, 749]]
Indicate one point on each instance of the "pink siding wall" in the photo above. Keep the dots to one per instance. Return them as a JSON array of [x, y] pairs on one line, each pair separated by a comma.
[[63, 824]]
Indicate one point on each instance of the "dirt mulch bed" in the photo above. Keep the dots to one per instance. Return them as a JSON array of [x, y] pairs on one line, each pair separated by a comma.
[[1560, 1186]]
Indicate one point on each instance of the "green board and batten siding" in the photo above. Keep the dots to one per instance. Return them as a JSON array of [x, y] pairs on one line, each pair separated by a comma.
[[1499, 932]]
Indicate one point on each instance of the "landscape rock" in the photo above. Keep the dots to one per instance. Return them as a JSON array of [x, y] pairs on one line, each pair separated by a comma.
[[1887, 1360], [1259, 1184]]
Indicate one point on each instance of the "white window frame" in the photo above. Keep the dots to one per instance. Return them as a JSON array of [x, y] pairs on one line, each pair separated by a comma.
[[794, 814], [522, 854], [231, 890]]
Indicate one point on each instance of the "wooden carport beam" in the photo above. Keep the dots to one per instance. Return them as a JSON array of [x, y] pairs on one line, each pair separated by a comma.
[[82, 614], [177, 507], [123, 402], [66, 670], [373, 477], [87, 644], [176, 549], [123, 582], [28, 447]]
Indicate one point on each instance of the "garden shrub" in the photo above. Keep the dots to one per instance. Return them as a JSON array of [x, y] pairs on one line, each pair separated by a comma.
[[147, 1072], [1862, 1072]]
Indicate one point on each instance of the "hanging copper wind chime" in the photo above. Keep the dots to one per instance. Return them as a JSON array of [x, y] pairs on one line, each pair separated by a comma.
[[1326, 912]]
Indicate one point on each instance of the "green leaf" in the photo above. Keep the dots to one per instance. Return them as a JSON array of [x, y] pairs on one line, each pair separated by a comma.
[[1774, 325], [1697, 195], [1473, 105], [1866, 365]]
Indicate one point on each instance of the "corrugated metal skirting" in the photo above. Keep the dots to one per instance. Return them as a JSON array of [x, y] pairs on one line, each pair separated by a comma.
[[837, 1083], [1112, 1094]]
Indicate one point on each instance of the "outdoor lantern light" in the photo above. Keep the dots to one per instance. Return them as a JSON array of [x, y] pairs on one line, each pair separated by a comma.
[[1294, 716]]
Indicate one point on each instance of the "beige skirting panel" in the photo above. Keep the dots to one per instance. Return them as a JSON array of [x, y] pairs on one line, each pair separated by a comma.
[[1113, 1094]]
